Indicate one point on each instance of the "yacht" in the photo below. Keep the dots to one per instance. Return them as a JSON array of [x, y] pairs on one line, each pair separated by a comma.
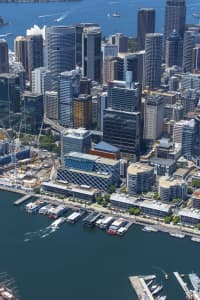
[[116, 14], [195, 239], [157, 290], [57, 223], [178, 235], [149, 229]]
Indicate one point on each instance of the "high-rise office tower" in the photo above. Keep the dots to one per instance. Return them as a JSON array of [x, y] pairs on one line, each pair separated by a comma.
[[68, 88], [113, 69], [120, 40], [4, 63], [109, 50], [191, 38], [41, 80], [82, 111], [175, 15], [9, 98], [78, 40], [145, 24], [21, 52], [153, 117], [196, 58], [60, 50], [134, 63], [35, 52], [174, 50], [153, 60], [92, 60], [51, 105], [85, 85]]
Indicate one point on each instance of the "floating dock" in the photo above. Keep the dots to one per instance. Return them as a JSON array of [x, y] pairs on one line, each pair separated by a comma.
[[182, 284], [140, 286], [22, 200]]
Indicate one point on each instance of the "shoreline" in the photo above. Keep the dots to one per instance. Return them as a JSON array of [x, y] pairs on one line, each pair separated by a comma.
[[138, 220], [35, 1]]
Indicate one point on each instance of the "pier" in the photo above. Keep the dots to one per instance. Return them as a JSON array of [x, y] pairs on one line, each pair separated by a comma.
[[140, 286], [22, 200], [182, 284]]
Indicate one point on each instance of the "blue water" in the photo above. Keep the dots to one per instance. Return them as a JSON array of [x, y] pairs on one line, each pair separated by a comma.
[[23, 16], [77, 263]]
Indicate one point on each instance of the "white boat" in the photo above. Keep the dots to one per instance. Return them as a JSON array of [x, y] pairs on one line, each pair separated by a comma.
[[154, 287], [44, 209], [116, 14], [195, 239], [122, 230], [150, 282], [178, 235], [157, 290], [149, 229], [57, 223]]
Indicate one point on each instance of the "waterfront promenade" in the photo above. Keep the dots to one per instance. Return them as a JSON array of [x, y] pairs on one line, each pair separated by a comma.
[[140, 220]]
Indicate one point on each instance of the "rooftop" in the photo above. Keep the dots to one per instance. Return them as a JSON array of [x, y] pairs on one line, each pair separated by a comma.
[[162, 161], [103, 146], [196, 194], [168, 182], [92, 158], [136, 168], [191, 213]]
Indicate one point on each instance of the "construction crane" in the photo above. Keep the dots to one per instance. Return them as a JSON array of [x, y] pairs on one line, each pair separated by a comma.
[[197, 16]]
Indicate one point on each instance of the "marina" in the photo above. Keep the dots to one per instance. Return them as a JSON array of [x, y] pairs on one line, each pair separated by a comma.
[[22, 200], [141, 288]]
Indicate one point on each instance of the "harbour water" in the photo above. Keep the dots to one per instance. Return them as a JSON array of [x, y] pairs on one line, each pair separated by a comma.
[[23, 16], [78, 263]]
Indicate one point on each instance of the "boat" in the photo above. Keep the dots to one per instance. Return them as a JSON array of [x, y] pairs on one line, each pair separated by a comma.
[[57, 223], [195, 281], [154, 287], [122, 230], [2, 22], [116, 14], [162, 297], [166, 276], [116, 225], [33, 207], [74, 217], [149, 229], [157, 290], [58, 211], [44, 209], [178, 235], [150, 282], [195, 239]]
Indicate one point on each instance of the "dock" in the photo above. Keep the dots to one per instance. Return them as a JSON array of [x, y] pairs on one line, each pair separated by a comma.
[[140, 286], [182, 284], [22, 200]]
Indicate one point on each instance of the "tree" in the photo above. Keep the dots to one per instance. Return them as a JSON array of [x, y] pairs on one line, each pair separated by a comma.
[[156, 196], [168, 219], [198, 226], [99, 199], [196, 183], [189, 190], [107, 197], [176, 219], [134, 211], [123, 190], [112, 189]]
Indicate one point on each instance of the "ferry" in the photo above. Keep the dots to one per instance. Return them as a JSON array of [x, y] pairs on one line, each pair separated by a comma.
[[74, 217], [195, 239], [57, 223], [33, 207], [58, 211], [178, 235], [116, 225], [149, 229], [91, 219], [106, 222], [157, 290], [116, 14], [44, 209]]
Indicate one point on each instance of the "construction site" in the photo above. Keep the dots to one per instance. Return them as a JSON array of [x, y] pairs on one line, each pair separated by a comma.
[[24, 167]]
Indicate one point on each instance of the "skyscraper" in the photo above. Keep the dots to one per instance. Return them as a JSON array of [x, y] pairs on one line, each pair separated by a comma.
[[145, 24], [92, 60], [174, 50], [153, 60], [60, 50], [175, 15], [41, 80], [191, 38], [51, 105], [82, 111], [4, 64], [21, 52], [134, 62], [153, 117], [68, 88], [35, 52]]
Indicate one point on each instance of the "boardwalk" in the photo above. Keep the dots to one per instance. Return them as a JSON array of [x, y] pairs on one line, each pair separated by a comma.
[[140, 287]]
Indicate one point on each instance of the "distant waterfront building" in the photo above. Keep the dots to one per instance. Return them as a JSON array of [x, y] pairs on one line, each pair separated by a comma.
[[120, 40], [82, 111], [41, 80], [145, 24], [91, 170], [140, 178], [175, 16], [153, 60], [4, 64], [78, 140], [174, 50], [68, 88], [60, 50], [171, 188], [92, 57], [33, 112], [51, 105], [153, 117]]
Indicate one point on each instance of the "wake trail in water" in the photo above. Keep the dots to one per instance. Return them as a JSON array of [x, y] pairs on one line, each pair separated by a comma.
[[39, 234]]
